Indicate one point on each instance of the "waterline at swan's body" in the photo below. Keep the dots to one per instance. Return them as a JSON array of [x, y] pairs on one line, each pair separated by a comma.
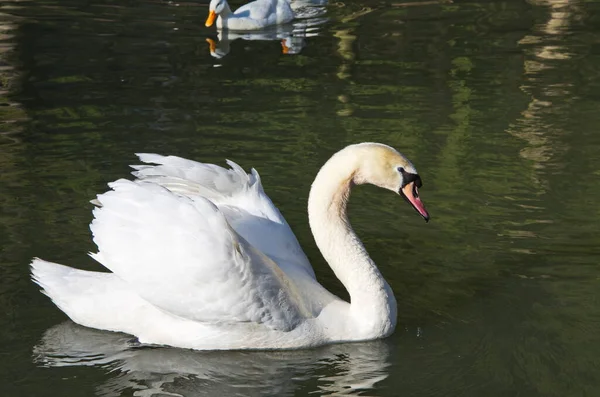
[[201, 258]]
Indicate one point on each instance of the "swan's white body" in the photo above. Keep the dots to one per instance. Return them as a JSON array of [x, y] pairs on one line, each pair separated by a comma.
[[200, 258], [252, 16]]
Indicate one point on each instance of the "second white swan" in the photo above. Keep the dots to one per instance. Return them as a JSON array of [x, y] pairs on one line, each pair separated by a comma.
[[255, 15], [200, 257]]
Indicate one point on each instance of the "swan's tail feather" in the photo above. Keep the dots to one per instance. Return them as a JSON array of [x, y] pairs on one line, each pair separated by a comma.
[[93, 299], [69, 288], [52, 278]]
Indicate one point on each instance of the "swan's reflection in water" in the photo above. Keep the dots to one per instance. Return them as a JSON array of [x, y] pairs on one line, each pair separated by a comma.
[[332, 370], [292, 36]]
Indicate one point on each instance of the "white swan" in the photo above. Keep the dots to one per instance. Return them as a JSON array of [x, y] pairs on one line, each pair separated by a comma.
[[252, 16], [201, 258]]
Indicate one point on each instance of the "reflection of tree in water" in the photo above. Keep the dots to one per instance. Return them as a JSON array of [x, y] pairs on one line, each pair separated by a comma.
[[551, 356], [547, 51], [346, 51], [546, 80]]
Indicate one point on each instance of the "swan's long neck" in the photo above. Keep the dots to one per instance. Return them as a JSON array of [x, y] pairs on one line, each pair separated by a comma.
[[372, 301]]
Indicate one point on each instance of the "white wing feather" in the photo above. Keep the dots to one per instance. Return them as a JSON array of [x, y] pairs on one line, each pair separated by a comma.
[[239, 196], [258, 10], [182, 256]]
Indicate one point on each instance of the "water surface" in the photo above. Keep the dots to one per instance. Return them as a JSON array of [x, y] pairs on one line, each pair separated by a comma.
[[496, 103]]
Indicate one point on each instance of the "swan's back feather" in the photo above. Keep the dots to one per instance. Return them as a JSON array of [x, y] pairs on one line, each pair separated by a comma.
[[238, 195], [182, 256]]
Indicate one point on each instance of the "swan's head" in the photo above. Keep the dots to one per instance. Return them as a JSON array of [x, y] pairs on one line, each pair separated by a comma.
[[383, 166], [214, 8]]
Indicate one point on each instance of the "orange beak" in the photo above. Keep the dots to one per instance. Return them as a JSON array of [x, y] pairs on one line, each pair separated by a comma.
[[211, 18], [410, 192]]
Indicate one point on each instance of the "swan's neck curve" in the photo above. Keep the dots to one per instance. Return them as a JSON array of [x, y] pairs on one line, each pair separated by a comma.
[[372, 302]]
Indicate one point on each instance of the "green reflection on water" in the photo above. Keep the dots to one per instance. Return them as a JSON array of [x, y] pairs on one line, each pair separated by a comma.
[[495, 103]]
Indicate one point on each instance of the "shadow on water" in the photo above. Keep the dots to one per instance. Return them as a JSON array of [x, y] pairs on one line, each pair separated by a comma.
[[340, 369]]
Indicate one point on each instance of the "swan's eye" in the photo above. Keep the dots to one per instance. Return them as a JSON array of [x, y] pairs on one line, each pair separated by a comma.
[[408, 177]]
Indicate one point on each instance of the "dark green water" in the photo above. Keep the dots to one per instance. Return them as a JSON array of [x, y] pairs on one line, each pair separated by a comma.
[[496, 103]]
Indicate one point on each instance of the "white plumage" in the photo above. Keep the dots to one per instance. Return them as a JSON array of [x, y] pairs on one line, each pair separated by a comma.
[[255, 15], [201, 258]]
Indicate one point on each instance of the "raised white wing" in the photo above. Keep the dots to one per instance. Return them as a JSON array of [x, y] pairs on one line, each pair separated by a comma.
[[239, 196], [182, 256]]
